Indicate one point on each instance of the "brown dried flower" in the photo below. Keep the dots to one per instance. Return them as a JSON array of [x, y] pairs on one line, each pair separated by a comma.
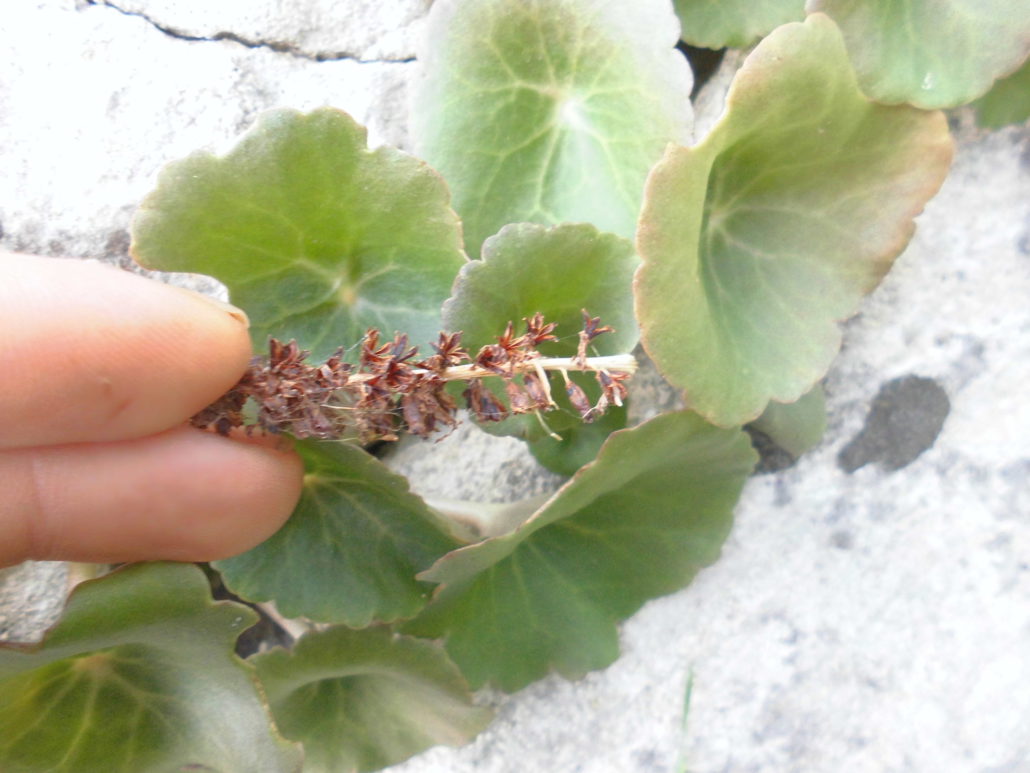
[[390, 389]]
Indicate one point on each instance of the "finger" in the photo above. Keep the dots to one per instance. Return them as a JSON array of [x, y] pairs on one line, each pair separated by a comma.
[[184, 495], [92, 353]]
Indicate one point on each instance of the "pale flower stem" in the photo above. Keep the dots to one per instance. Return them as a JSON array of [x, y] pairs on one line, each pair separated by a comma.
[[613, 363], [546, 383], [543, 424]]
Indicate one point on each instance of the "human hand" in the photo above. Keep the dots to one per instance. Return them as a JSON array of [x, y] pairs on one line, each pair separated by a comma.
[[99, 370]]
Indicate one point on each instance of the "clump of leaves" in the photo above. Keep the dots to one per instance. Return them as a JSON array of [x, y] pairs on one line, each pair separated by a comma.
[[731, 260]]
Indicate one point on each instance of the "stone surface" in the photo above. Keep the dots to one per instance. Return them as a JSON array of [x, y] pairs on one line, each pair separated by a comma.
[[869, 621], [366, 30], [31, 597], [94, 102]]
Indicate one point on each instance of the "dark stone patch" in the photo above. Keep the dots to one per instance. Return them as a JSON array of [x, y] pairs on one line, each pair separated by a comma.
[[771, 458], [841, 511], [649, 760], [1023, 245], [1, 230], [905, 418], [1017, 473], [842, 540], [117, 244], [781, 493]]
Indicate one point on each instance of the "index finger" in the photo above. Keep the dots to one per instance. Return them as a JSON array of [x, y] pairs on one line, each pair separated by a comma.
[[92, 353]]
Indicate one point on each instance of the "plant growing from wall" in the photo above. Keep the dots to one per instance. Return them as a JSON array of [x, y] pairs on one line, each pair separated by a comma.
[[559, 177]]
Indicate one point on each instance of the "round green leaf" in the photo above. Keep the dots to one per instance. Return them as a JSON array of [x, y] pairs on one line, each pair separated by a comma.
[[757, 241], [549, 110], [316, 237], [931, 53], [653, 508], [1008, 102], [351, 549], [795, 427], [138, 676], [557, 271], [363, 700], [733, 23]]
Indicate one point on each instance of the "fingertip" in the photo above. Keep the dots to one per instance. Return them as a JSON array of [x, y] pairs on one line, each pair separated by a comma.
[[261, 486], [183, 495], [92, 353]]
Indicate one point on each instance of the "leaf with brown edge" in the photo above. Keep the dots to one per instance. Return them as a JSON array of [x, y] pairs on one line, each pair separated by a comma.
[[757, 241]]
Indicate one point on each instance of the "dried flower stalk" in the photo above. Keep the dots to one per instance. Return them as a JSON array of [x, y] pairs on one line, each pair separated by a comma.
[[390, 390]]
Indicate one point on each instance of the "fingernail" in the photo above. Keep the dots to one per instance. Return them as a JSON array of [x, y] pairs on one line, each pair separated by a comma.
[[233, 311]]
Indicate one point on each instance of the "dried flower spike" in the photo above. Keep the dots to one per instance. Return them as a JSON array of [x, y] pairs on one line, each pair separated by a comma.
[[390, 389]]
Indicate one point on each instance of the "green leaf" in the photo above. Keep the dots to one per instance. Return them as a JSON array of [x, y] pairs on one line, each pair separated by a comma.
[[557, 271], [549, 111], [1008, 102], [931, 53], [139, 675], [795, 427], [758, 240], [351, 549], [362, 700], [579, 443], [734, 23], [316, 236], [637, 523]]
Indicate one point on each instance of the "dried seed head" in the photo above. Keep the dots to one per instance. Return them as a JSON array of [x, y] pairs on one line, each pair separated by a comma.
[[448, 353], [482, 404], [591, 330], [390, 389], [538, 331], [579, 400]]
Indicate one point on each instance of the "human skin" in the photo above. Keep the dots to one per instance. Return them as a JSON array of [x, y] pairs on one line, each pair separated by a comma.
[[100, 369]]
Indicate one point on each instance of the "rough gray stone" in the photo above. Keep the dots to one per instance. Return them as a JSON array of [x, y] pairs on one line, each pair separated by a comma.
[[32, 596], [94, 102], [464, 472], [711, 98], [365, 30]]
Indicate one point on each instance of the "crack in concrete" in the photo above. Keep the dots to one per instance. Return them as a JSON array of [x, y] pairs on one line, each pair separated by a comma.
[[278, 46]]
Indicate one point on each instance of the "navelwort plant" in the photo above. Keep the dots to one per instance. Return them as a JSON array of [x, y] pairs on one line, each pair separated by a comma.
[[563, 132]]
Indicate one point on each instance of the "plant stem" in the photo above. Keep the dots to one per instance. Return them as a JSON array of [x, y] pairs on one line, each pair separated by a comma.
[[613, 363]]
